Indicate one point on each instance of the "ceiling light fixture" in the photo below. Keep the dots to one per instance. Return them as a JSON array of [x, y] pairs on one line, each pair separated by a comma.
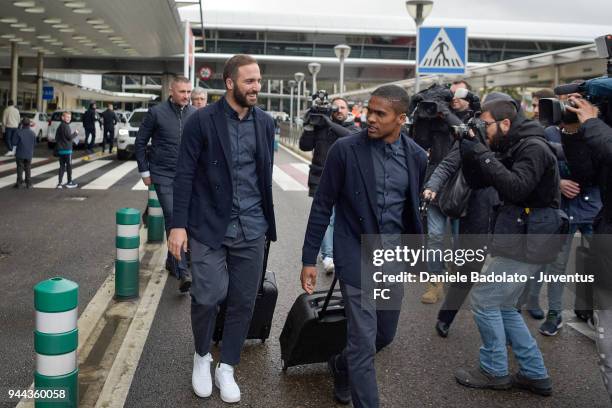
[[19, 25], [7, 36], [60, 26], [8, 20], [95, 21], [15, 39], [83, 11], [52, 20], [107, 31], [101, 26], [24, 4], [43, 37], [28, 29], [75, 4], [35, 10], [67, 30]]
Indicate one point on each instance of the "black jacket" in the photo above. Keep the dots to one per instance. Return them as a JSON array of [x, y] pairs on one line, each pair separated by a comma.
[[89, 119], [524, 172], [64, 137], [163, 125], [203, 184], [109, 119], [319, 140]]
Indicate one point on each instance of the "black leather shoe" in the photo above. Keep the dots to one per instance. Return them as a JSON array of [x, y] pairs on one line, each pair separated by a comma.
[[442, 328], [542, 386], [342, 389], [185, 283], [478, 378]]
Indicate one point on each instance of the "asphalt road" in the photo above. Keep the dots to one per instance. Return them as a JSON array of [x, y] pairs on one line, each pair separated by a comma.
[[46, 232]]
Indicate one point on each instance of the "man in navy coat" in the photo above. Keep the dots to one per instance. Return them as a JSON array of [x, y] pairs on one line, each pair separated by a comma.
[[373, 179], [223, 213]]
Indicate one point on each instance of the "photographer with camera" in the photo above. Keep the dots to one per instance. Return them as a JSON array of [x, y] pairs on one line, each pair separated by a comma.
[[324, 123], [436, 110], [522, 167], [593, 140], [474, 211]]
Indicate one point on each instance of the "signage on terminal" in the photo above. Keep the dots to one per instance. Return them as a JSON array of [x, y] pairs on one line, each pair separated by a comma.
[[205, 73], [442, 50], [47, 93]]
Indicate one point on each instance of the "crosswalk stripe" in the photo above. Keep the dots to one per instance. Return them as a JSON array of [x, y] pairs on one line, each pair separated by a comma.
[[51, 182], [10, 179], [285, 181], [13, 165], [140, 186], [108, 179], [303, 167]]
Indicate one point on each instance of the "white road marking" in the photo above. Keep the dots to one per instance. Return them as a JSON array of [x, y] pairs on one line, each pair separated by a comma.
[[13, 165], [140, 186], [303, 167], [80, 171], [285, 181], [108, 179], [10, 179]]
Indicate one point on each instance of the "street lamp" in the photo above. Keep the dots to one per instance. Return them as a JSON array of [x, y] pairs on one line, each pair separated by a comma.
[[342, 52], [314, 68], [292, 84], [418, 10], [299, 77]]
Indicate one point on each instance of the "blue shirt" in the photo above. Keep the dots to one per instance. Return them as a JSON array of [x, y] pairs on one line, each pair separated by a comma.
[[392, 183], [247, 212]]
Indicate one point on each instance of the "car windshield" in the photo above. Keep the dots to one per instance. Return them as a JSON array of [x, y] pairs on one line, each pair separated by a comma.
[[136, 118], [29, 115], [76, 116]]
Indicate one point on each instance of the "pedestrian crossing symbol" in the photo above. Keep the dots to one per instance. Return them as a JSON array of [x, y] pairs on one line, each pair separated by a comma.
[[442, 50]]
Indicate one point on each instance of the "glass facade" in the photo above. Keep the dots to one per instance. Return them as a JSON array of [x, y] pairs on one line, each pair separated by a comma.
[[376, 47]]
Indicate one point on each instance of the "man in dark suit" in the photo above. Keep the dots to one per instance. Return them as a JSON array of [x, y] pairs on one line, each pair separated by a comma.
[[223, 212], [373, 179]]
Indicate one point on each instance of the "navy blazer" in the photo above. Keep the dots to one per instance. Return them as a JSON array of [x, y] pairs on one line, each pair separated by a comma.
[[203, 192], [348, 182]]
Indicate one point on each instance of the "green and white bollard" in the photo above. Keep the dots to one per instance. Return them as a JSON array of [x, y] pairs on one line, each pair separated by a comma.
[[56, 338], [127, 264], [155, 221]]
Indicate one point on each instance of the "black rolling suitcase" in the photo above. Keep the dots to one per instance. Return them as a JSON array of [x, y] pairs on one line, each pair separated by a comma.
[[315, 328], [261, 322]]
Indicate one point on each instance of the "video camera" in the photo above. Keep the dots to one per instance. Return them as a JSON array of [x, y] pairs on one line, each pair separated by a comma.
[[598, 91], [321, 104], [431, 101], [476, 125]]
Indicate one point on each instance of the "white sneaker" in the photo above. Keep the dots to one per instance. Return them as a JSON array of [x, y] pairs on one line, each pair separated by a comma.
[[201, 380], [328, 265], [224, 380], [10, 153]]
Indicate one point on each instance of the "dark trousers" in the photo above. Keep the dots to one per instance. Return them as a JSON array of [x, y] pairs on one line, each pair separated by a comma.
[[65, 161], [368, 331], [109, 135], [23, 165], [9, 134], [90, 143], [231, 273], [164, 195]]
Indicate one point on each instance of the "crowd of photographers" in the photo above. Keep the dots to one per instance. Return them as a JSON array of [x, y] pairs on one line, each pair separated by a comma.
[[515, 184]]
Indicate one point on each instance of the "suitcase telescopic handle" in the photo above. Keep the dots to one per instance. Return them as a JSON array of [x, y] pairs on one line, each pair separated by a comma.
[[265, 265], [328, 298]]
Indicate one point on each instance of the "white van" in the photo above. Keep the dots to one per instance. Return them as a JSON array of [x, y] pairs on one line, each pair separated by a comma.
[[39, 123], [75, 124]]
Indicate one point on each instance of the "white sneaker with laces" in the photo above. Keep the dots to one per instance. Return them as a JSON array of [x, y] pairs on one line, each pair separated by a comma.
[[328, 264], [201, 380], [224, 380]]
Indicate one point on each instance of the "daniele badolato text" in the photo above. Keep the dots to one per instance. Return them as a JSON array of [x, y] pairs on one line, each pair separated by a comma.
[[409, 258]]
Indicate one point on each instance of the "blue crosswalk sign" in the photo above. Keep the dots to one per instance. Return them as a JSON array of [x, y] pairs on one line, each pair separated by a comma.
[[442, 50]]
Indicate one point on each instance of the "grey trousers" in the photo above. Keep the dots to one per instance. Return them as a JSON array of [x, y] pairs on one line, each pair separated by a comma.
[[164, 195], [231, 273], [368, 331]]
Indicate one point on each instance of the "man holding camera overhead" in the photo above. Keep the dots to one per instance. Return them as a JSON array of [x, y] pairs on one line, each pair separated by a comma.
[[322, 127]]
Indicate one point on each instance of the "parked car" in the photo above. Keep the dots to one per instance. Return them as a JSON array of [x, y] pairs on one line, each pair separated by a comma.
[[39, 123], [127, 135], [75, 124]]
